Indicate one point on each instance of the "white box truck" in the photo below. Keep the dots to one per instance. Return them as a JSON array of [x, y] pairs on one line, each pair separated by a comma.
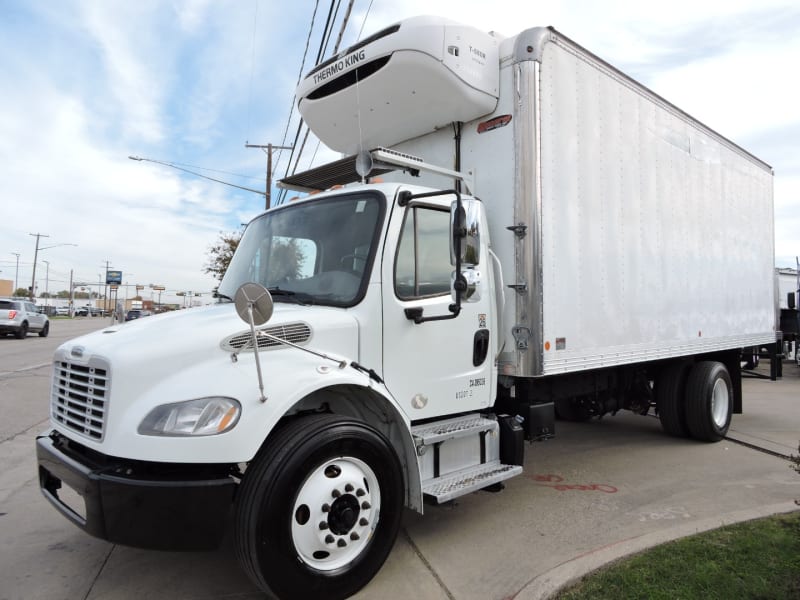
[[549, 237]]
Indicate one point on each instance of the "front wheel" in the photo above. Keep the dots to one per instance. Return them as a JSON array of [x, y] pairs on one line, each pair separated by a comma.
[[45, 330], [709, 401], [319, 508]]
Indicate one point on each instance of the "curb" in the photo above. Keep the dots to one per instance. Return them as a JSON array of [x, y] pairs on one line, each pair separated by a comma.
[[547, 584]]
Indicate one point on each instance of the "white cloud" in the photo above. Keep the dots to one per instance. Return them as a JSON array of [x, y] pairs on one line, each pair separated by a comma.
[[87, 83]]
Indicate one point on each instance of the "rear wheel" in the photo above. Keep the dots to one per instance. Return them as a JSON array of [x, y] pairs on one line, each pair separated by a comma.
[[319, 509], [22, 332], [709, 401], [670, 393]]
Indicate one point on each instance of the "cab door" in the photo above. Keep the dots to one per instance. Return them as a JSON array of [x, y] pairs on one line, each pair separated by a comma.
[[435, 367]]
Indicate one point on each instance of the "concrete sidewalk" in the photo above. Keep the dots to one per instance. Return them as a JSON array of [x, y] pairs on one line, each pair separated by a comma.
[[598, 491]]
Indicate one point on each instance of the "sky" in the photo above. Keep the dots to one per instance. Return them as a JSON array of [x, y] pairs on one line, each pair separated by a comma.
[[84, 84]]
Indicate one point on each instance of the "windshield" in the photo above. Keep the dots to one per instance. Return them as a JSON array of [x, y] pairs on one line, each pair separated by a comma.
[[318, 252]]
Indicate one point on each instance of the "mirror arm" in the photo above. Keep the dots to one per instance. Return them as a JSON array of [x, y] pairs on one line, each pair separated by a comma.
[[262, 397]]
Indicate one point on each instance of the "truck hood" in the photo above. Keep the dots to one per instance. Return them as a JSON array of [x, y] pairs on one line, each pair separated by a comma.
[[105, 383], [186, 335]]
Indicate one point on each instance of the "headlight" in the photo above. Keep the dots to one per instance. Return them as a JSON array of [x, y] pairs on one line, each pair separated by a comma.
[[203, 416]]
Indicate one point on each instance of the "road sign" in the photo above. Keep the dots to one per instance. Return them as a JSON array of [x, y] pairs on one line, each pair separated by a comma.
[[113, 277]]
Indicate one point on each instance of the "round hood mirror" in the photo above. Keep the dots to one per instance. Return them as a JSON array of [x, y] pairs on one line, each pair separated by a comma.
[[257, 297]]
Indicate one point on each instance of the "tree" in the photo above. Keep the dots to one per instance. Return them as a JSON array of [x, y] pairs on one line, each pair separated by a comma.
[[220, 254], [21, 293], [286, 259]]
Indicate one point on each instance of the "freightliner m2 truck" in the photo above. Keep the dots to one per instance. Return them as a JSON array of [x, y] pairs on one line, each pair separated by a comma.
[[516, 230]]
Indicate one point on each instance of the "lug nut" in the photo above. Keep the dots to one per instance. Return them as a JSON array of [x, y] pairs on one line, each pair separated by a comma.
[[336, 493], [326, 508], [323, 525], [354, 536], [365, 505], [360, 492], [348, 488], [341, 543], [329, 539], [363, 522]]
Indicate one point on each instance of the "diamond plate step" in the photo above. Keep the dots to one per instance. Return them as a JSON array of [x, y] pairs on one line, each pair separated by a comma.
[[469, 480], [440, 431]]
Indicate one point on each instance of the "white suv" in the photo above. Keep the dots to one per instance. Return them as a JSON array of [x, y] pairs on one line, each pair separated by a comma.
[[20, 316]]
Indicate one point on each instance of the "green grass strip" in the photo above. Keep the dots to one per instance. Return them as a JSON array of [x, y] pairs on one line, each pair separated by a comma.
[[757, 560]]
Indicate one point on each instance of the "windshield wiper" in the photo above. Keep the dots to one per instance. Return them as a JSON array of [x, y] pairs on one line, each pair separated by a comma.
[[219, 295], [289, 295]]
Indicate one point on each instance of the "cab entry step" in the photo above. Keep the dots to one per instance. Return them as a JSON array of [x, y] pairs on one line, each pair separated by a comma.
[[452, 486]]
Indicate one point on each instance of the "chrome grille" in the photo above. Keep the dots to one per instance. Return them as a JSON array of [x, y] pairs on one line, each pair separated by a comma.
[[296, 333], [79, 398]]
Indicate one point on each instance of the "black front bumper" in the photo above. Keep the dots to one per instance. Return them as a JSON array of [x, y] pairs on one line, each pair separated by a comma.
[[147, 505]]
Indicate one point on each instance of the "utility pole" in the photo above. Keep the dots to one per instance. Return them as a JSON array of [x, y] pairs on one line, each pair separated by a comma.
[[268, 148]]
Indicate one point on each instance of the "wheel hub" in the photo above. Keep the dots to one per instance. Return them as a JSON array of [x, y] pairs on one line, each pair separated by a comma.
[[336, 510], [344, 514], [720, 398]]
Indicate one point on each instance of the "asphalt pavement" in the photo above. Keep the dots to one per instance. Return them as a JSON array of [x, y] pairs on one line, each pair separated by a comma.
[[598, 491]]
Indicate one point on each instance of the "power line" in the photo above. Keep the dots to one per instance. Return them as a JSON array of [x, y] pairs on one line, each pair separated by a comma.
[[174, 166], [172, 162], [252, 67], [299, 76], [324, 40]]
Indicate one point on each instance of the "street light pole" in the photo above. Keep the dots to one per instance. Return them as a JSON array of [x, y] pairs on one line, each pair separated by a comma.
[[35, 257], [16, 273], [47, 282]]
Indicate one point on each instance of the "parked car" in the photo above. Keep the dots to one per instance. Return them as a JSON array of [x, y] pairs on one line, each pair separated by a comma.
[[134, 313], [81, 311], [18, 317], [62, 310]]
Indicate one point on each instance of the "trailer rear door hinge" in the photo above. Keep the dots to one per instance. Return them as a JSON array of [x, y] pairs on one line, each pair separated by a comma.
[[521, 336], [519, 230], [520, 288]]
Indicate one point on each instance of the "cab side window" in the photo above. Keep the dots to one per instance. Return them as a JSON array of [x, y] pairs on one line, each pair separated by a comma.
[[422, 265]]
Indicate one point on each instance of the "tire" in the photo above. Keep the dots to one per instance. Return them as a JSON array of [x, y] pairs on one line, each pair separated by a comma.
[[45, 330], [670, 394], [709, 401], [22, 332], [319, 508], [568, 409]]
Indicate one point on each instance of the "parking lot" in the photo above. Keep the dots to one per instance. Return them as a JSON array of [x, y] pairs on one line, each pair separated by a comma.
[[598, 490]]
